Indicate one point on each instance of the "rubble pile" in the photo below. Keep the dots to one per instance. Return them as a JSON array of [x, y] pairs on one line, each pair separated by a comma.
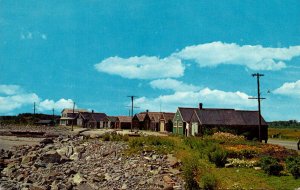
[[75, 163]]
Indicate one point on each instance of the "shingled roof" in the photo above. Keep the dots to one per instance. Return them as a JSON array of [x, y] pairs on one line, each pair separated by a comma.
[[228, 117], [186, 113]]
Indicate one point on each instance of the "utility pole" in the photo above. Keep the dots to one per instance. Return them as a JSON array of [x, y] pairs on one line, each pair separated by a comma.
[[33, 108], [257, 75], [73, 115], [132, 98], [53, 116]]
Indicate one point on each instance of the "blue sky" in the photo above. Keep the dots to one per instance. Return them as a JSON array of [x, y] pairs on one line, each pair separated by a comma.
[[168, 53]]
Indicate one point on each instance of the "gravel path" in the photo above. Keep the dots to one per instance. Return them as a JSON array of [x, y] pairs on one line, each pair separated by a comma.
[[286, 143]]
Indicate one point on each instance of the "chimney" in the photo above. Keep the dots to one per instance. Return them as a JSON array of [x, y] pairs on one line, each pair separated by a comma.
[[200, 106], [92, 111]]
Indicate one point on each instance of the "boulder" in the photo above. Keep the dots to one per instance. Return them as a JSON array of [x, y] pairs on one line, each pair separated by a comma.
[[51, 157]]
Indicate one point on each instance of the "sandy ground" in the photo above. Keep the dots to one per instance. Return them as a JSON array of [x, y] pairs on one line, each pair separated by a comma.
[[8, 142], [286, 143]]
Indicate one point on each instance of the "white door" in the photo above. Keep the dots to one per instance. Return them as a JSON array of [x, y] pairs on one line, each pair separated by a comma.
[[194, 128]]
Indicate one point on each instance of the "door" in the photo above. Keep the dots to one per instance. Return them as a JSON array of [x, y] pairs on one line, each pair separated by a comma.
[[162, 126], [194, 128]]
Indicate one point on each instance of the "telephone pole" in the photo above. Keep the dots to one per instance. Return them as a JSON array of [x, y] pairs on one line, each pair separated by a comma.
[[73, 116], [33, 108], [53, 116], [132, 98], [258, 75]]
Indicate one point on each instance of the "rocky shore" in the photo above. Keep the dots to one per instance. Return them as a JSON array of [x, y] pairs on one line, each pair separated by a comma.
[[78, 163]]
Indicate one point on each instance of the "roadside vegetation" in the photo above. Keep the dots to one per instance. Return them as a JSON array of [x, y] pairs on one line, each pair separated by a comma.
[[285, 133], [224, 161]]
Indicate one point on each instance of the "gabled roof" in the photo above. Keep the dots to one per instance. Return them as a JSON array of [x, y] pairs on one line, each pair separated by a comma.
[[168, 116], [112, 118], [93, 116], [228, 117], [141, 116], [67, 110], [186, 113], [124, 119]]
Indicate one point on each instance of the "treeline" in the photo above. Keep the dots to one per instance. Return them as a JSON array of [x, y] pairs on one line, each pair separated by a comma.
[[26, 119], [284, 124]]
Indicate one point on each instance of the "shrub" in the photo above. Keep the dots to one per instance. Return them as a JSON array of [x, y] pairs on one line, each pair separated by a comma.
[[227, 137], [190, 170], [106, 137], [270, 165], [209, 182], [218, 157], [293, 166]]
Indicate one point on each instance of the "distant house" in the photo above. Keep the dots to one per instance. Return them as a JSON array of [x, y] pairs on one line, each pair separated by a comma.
[[154, 121], [68, 117], [181, 120], [195, 121], [124, 122], [110, 122], [165, 122], [241, 122], [91, 120]]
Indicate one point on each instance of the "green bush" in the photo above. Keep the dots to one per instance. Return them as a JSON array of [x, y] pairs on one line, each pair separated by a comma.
[[270, 165], [190, 170], [209, 182], [106, 137], [293, 166], [218, 157]]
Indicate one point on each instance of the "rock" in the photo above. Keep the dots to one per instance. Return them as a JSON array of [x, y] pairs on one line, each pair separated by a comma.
[[46, 141], [257, 168], [74, 156], [173, 161], [169, 187], [107, 177], [84, 186], [77, 179], [124, 186], [51, 157], [168, 180]]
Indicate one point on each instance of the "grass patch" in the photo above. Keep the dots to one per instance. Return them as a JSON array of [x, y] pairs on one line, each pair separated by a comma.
[[287, 133]]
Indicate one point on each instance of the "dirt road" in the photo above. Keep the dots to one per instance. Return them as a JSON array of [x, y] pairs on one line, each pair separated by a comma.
[[8, 142], [286, 143]]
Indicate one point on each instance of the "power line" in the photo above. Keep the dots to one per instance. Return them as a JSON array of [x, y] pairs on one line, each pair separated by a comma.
[[258, 75]]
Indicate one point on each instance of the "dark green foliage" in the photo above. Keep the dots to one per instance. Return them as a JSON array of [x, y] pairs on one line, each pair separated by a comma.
[[209, 182], [190, 169], [218, 157], [163, 145], [26, 118], [293, 166], [270, 165], [284, 124], [115, 137]]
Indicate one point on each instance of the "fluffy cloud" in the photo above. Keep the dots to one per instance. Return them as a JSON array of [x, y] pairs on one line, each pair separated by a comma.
[[212, 54], [191, 99], [14, 97], [143, 67], [253, 57], [10, 103], [58, 105], [172, 84], [289, 89], [9, 89]]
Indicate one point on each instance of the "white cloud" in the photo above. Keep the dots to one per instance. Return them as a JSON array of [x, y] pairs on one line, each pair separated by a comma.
[[9, 89], [10, 103], [58, 105], [33, 35], [289, 89], [143, 67], [211, 98], [14, 97], [173, 84], [254, 57]]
